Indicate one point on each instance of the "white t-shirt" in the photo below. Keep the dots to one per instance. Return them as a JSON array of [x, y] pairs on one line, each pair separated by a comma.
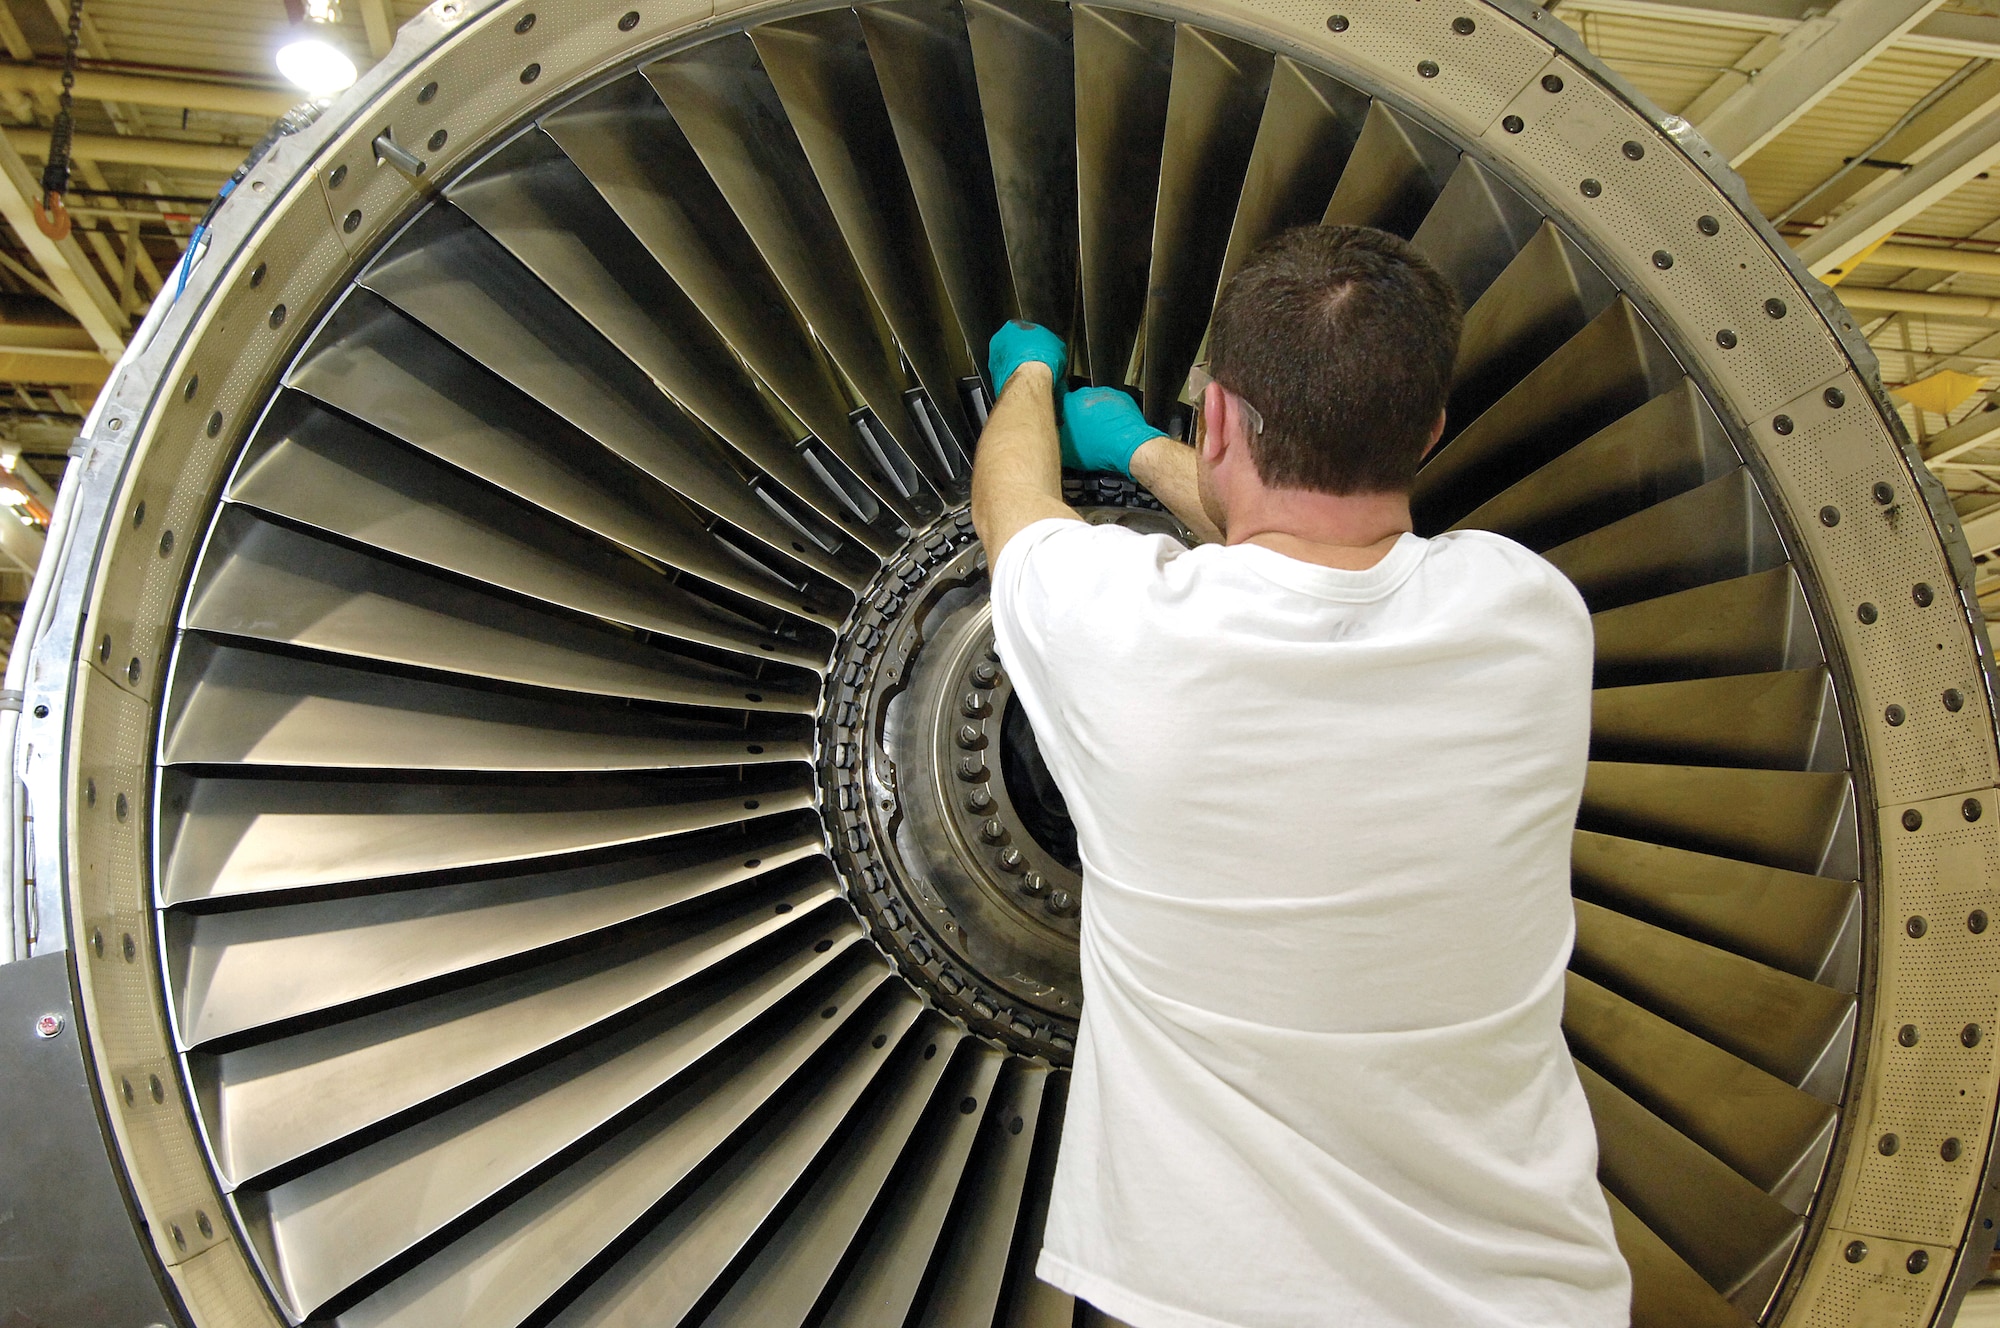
[[1324, 818]]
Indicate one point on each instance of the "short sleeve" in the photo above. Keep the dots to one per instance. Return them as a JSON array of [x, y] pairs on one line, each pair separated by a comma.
[[1066, 597]]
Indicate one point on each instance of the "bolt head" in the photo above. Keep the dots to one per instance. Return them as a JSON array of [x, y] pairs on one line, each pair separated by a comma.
[[971, 737], [972, 769], [992, 831], [1064, 904], [1035, 884], [1011, 860], [985, 674], [975, 706], [979, 800], [48, 1025]]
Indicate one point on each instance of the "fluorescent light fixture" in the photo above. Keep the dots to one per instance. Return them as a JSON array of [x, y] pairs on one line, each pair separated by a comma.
[[316, 65], [322, 11], [13, 498]]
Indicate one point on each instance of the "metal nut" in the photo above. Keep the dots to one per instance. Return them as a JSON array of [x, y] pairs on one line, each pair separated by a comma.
[[992, 831], [1011, 860], [1064, 904], [48, 1025]]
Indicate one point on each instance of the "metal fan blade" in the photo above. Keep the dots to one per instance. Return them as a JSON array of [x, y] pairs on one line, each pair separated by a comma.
[[1671, 444], [1780, 818], [1124, 70], [534, 201], [686, 1255], [1027, 93], [269, 583], [250, 968], [1786, 919], [1780, 1023], [460, 1168], [1773, 721], [1219, 87], [235, 837], [288, 1097]]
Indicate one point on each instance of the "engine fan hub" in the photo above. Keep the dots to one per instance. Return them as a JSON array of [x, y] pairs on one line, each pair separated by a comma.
[[952, 839]]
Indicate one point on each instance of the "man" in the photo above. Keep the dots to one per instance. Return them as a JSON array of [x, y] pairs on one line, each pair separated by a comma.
[[1323, 774]]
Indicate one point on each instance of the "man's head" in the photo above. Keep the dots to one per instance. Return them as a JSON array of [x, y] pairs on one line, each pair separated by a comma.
[[1342, 338]]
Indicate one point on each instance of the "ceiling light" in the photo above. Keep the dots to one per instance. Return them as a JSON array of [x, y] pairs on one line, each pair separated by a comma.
[[316, 65]]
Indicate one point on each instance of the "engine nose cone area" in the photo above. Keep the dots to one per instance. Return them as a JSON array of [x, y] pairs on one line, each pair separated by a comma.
[[933, 846], [949, 831]]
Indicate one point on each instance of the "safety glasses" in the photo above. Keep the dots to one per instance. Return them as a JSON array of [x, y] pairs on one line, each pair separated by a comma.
[[1197, 387]]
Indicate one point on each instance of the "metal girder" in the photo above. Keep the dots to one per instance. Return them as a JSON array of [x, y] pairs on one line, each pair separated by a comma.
[[65, 368], [1936, 304], [380, 22], [1935, 258], [208, 158], [1812, 60], [1734, 79], [83, 292], [1941, 173], [1982, 530], [143, 90], [20, 544], [1975, 430], [1975, 36], [1953, 109]]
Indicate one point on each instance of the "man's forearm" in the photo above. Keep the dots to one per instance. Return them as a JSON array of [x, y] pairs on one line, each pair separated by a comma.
[[1017, 470], [1167, 469]]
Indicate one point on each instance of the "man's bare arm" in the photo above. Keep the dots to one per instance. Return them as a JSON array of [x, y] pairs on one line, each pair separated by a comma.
[[1017, 471], [1167, 469]]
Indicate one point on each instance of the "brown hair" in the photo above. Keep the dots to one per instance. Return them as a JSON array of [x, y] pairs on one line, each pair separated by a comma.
[[1343, 338]]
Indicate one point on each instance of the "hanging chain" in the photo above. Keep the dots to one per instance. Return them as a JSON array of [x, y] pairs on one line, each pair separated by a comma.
[[51, 216]]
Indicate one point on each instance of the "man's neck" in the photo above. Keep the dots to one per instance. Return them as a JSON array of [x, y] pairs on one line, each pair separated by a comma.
[[1351, 531]]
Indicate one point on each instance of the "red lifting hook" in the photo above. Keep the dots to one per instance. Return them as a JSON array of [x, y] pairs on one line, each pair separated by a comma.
[[51, 217]]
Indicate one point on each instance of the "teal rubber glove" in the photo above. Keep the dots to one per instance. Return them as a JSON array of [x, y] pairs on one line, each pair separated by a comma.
[[1016, 343], [1101, 429]]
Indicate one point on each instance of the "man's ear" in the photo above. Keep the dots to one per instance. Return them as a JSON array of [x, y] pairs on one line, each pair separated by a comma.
[[1215, 433], [1437, 432]]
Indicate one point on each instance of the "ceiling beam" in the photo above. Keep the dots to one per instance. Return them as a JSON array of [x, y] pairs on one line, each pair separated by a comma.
[[1946, 169], [1971, 36], [1935, 304], [1953, 112], [145, 90], [380, 23], [1935, 258], [20, 544], [1811, 61], [1733, 79], [1982, 530], [83, 292], [59, 368], [165, 153], [1978, 429]]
